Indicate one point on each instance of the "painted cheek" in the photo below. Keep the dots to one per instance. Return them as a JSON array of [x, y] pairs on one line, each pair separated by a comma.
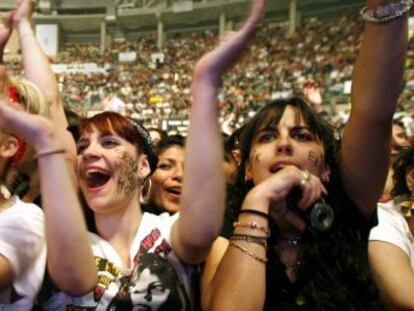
[[315, 159], [120, 153], [255, 156], [127, 182], [76, 169]]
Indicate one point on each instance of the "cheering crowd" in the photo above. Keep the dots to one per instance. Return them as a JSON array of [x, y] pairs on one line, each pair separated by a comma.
[[282, 210]]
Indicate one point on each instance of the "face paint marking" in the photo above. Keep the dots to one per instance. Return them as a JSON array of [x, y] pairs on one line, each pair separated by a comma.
[[127, 182], [257, 157], [314, 158], [76, 169]]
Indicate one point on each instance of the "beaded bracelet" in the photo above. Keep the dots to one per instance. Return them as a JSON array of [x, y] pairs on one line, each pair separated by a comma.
[[252, 225], [262, 241], [248, 252], [386, 13]]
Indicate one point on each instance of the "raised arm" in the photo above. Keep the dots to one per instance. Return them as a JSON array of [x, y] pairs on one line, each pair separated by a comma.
[[66, 231], [203, 198], [376, 87], [6, 28], [38, 70], [6, 271]]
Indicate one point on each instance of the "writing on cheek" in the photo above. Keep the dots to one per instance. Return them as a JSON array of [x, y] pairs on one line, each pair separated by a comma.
[[128, 174], [314, 158], [76, 168], [255, 156]]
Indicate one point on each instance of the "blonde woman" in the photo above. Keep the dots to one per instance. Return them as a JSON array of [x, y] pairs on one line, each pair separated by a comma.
[[22, 239]]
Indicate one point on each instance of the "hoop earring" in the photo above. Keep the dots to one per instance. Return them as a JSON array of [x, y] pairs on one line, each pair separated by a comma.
[[146, 191]]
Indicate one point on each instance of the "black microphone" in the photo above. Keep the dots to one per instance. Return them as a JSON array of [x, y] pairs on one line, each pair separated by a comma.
[[320, 215]]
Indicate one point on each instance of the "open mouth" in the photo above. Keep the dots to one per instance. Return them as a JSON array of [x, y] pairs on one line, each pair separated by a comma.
[[96, 178], [174, 190], [277, 168]]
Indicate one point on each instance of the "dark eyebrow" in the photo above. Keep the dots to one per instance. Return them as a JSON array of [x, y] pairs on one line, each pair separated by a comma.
[[167, 159], [266, 129], [300, 127]]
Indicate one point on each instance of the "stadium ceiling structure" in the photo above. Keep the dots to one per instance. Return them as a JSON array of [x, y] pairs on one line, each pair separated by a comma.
[[86, 17]]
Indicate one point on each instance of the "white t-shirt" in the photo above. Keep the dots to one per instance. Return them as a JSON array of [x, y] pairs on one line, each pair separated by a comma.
[[22, 242], [393, 228], [158, 280]]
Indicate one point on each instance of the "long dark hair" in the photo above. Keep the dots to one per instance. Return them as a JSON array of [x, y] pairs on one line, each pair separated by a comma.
[[334, 267], [170, 141], [402, 165], [164, 144]]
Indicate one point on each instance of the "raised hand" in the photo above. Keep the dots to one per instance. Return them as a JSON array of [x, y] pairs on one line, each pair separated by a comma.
[[35, 130], [24, 11], [214, 64], [273, 193], [6, 28]]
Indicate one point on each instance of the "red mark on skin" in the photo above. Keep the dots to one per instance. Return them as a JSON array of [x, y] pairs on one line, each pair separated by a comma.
[[313, 157]]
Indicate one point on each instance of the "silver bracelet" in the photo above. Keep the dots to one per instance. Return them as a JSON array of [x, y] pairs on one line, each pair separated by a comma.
[[49, 152], [386, 13]]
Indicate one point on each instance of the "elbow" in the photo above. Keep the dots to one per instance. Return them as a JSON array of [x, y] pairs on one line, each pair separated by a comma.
[[203, 238], [76, 286], [200, 243], [199, 231], [196, 250]]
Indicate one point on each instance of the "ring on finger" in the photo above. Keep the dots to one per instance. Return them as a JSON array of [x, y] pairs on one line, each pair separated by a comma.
[[305, 177]]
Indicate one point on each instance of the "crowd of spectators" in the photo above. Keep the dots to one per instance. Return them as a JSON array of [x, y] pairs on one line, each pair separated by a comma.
[[319, 56]]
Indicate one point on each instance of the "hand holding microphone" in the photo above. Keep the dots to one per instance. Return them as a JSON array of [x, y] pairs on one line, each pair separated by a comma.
[[320, 215], [296, 196]]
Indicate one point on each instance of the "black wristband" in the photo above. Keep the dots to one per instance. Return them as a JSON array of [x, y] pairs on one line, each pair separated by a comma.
[[254, 212]]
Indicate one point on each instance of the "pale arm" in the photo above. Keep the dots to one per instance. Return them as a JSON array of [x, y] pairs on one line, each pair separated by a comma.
[[70, 260], [5, 32], [203, 197], [37, 69], [393, 274], [376, 86], [6, 272]]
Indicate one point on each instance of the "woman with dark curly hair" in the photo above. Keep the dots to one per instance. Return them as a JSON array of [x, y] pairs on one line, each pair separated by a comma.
[[391, 246], [166, 182], [278, 258]]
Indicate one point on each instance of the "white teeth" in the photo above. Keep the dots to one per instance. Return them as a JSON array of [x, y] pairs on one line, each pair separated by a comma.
[[175, 189], [94, 170]]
